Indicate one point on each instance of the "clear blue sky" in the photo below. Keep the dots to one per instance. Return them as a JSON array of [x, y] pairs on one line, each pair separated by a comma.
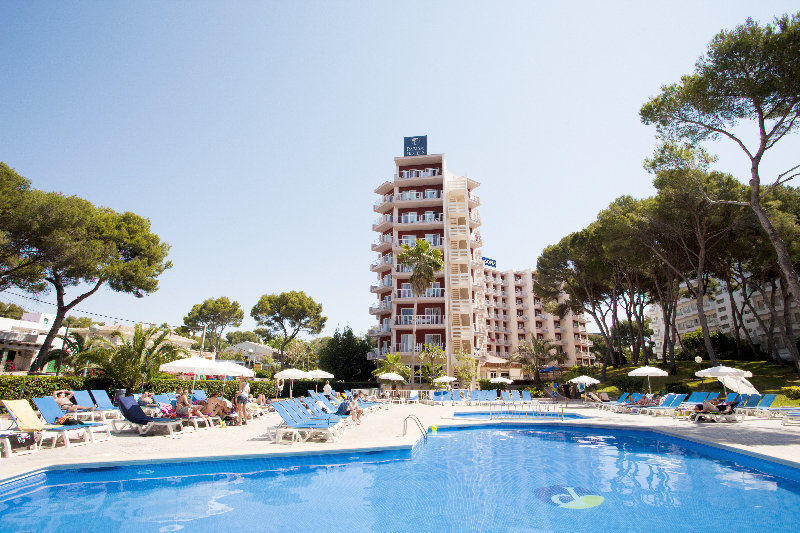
[[253, 134]]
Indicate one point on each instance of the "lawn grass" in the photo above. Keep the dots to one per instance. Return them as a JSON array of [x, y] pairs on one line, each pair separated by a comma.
[[768, 378]]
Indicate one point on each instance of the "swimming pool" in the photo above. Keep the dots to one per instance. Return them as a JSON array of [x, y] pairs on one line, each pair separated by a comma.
[[504, 477], [519, 414]]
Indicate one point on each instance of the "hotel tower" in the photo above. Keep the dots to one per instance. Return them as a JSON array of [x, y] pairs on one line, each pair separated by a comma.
[[470, 307]]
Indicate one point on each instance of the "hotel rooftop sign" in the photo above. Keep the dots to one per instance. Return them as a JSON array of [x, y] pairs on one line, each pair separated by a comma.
[[415, 145]]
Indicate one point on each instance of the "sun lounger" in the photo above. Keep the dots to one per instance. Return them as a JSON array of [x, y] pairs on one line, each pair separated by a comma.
[[491, 396], [51, 412], [791, 418], [299, 428], [526, 396], [632, 399], [666, 408], [318, 414], [515, 397], [619, 401], [103, 402], [505, 396], [26, 420], [82, 397], [134, 417], [208, 422], [665, 401], [7, 436], [764, 406]]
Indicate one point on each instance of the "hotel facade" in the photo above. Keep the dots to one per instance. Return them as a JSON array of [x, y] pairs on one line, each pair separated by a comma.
[[471, 307]]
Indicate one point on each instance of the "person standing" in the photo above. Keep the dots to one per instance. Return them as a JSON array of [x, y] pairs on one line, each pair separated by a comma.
[[242, 397], [327, 390]]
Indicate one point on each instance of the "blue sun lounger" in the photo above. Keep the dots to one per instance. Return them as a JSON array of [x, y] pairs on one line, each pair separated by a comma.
[[82, 397], [51, 412], [515, 397], [104, 402], [636, 409], [319, 414], [666, 408], [299, 428], [619, 401], [526, 396], [764, 406], [135, 418]]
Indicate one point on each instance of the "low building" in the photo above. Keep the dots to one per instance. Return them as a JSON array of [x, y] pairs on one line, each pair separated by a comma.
[[20, 340]]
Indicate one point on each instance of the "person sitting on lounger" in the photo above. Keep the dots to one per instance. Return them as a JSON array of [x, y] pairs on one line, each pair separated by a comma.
[[355, 410], [64, 401], [214, 407], [147, 400], [707, 407], [184, 407]]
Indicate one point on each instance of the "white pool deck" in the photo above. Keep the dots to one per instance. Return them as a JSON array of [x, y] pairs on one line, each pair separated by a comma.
[[383, 429]]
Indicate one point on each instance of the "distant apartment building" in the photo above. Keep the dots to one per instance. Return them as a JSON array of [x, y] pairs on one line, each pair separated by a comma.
[[470, 307], [718, 309], [20, 340]]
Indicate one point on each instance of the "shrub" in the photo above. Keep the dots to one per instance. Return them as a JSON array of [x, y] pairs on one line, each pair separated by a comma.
[[678, 388], [222, 388], [628, 383], [576, 371], [265, 374], [793, 393], [611, 390]]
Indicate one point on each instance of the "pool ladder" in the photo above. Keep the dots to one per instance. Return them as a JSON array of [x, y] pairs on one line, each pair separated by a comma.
[[419, 425]]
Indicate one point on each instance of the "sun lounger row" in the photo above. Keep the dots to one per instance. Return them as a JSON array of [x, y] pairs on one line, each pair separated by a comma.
[[315, 417]]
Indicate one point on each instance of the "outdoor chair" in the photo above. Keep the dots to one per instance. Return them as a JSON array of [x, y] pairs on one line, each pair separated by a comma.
[[135, 418], [51, 412]]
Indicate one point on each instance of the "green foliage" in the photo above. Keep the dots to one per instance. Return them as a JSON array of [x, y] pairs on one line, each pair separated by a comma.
[[345, 356], [215, 314], [11, 387], [793, 393], [287, 314], [264, 374], [485, 384], [424, 263], [235, 337], [535, 354], [300, 387], [17, 268], [392, 364], [225, 388], [129, 362], [628, 383], [692, 341], [78, 244], [464, 368], [80, 322], [9, 310], [678, 388]]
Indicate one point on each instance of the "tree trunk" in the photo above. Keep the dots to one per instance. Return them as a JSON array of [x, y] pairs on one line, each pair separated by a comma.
[[61, 311], [787, 329], [414, 343], [701, 316], [734, 320], [784, 258]]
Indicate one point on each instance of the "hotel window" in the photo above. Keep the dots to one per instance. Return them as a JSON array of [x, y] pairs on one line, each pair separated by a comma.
[[431, 193], [433, 338]]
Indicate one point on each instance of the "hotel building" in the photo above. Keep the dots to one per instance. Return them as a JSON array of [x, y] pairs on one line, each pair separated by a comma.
[[470, 307]]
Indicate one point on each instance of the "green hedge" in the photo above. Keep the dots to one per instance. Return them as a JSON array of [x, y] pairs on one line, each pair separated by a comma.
[[11, 387], [17, 387], [267, 388], [793, 393]]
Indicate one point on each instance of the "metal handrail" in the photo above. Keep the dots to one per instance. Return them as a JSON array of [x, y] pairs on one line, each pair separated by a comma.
[[419, 425]]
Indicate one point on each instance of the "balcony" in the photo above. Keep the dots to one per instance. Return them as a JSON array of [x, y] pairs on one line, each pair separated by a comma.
[[422, 173], [407, 348], [381, 263], [376, 331], [475, 220], [438, 240], [520, 294], [432, 292], [422, 221], [381, 286], [474, 200], [382, 243], [377, 353], [421, 320], [382, 223], [383, 203], [522, 306], [380, 307]]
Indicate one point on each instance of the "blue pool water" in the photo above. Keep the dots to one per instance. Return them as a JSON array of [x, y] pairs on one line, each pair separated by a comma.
[[502, 478], [519, 414]]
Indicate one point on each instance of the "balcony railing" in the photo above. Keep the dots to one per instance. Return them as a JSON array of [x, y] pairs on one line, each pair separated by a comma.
[[379, 306], [432, 292], [422, 173], [411, 196], [381, 201], [435, 241], [404, 347], [383, 260], [383, 329], [422, 320], [380, 284], [377, 353], [413, 218]]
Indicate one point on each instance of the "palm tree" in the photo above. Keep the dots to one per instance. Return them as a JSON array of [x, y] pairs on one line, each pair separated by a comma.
[[424, 263], [392, 363], [132, 363], [535, 354], [74, 344]]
